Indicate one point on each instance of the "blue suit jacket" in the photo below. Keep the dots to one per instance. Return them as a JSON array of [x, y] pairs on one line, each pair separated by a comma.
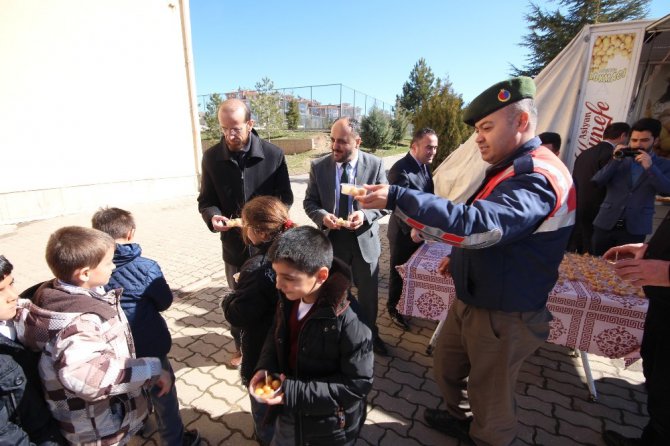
[[406, 173], [632, 202]]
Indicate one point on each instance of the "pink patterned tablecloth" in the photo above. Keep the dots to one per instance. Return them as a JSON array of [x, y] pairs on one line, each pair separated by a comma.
[[595, 322]]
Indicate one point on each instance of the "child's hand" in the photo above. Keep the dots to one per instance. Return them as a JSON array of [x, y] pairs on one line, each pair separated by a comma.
[[164, 382]]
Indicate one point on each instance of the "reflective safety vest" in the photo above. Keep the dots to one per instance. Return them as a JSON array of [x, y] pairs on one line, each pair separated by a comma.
[[540, 160], [553, 169]]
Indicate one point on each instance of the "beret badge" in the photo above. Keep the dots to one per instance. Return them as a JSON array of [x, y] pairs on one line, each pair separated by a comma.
[[504, 95]]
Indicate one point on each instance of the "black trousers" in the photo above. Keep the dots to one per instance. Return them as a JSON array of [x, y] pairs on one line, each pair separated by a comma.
[[655, 352], [617, 236]]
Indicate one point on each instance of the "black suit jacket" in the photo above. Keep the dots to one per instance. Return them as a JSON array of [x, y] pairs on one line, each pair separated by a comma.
[[589, 195], [406, 172]]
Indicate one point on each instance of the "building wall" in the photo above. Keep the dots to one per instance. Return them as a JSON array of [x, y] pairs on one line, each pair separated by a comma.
[[97, 105]]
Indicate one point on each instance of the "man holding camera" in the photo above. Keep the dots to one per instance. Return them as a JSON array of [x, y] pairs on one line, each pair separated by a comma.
[[632, 179]]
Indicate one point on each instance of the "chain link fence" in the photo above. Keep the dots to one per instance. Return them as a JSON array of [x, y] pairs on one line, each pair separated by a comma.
[[318, 105]]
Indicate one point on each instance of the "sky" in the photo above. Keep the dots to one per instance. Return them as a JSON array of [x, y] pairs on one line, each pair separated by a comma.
[[367, 45]]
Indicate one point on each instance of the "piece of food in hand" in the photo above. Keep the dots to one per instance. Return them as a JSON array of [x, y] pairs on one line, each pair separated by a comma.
[[342, 222], [234, 222], [351, 189]]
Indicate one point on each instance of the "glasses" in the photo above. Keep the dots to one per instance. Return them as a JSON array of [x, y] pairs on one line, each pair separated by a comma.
[[234, 130]]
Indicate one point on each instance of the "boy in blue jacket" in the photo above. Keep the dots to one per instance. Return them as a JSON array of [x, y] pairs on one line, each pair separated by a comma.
[[145, 294]]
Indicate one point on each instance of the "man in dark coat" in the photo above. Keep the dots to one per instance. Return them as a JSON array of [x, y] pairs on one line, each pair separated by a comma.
[[650, 268], [412, 172], [237, 169], [590, 196]]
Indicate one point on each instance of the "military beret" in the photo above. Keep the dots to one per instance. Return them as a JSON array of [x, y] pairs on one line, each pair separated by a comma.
[[498, 96]]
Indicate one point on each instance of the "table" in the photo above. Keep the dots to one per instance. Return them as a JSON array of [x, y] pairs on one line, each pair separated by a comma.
[[584, 320]]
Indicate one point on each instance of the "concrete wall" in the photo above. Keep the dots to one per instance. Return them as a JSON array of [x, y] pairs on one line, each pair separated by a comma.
[[292, 146], [97, 105]]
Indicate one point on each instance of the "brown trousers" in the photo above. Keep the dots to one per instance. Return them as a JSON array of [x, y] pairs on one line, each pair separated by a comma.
[[477, 360]]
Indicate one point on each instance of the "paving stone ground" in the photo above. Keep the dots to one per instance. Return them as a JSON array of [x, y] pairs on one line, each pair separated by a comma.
[[553, 403]]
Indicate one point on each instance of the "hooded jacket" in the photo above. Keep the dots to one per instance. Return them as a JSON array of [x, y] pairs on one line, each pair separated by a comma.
[[145, 295], [94, 384], [334, 370], [251, 307]]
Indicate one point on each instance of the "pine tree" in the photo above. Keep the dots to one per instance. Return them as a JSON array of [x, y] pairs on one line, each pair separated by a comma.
[[443, 113], [376, 130], [421, 86], [399, 123], [551, 31], [211, 117], [265, 106], [293, 115]]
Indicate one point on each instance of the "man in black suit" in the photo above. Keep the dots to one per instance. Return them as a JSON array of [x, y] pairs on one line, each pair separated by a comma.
[[411, 172], [590, 196]]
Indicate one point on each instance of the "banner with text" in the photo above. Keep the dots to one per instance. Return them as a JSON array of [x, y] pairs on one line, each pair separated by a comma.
[[613, 59]]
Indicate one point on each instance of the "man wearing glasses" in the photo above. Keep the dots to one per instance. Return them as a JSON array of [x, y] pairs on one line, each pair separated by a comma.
[[240, 167]]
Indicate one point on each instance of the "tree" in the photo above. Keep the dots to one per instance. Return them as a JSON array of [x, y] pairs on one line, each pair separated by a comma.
[[399, 123], [443, 113], [421, 86], [293, 115], [213, 130], [265, 106], [551, 31], [376, 130]]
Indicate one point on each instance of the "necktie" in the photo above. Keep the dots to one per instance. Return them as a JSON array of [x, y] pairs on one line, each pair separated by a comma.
[[343, 208]]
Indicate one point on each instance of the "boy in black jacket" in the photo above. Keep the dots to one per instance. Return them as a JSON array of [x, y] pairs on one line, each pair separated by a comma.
[[317, 343], [145, 294], [24, 416]]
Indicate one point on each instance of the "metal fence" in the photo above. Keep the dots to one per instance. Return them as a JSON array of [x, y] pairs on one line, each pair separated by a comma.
[[318, 105]]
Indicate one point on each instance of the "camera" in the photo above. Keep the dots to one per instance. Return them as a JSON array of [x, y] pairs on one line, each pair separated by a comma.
[[626, 151]]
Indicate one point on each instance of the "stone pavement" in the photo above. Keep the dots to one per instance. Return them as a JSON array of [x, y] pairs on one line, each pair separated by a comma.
[[553, 403]]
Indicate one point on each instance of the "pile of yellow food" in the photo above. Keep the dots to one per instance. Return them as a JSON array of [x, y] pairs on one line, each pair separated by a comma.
[[268, 388], [351, 189], [342, 222], [607, 47], [596, 273], [234, 222]]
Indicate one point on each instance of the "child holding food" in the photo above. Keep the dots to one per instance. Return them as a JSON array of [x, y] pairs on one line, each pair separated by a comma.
[[251, 306], [317, 347]]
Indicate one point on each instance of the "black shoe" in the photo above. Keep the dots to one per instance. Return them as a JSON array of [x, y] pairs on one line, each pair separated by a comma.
[[191, 438], [379, 347], [612, 438], [398, 319], [443, 422]]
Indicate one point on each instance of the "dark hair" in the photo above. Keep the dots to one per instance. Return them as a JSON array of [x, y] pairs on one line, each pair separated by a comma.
[[265, 214], [113, 221], [5, 267], [615, 130], [304, 247], [647, 125], [551, 138], [74, 247], [353, 124], [421, 133]]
